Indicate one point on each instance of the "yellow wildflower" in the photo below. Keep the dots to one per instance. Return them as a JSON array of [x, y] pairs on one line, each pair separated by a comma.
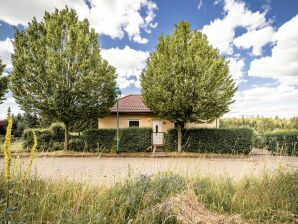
[[6, 146], [33, 150]]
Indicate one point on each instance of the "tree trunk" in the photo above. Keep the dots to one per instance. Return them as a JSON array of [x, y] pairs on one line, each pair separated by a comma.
[[179, 136], [66, 135]]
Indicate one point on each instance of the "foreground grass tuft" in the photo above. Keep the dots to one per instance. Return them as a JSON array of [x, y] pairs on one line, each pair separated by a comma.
[[269, 199]]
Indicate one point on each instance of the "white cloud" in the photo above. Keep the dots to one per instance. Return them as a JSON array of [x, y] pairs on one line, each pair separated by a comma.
[[282, 65], [128, 62], [200, 4], [236, 67], [221, 32], [6, 49], [255, 39], [266, 101], [9, 102], [216, 2], [109, 17]]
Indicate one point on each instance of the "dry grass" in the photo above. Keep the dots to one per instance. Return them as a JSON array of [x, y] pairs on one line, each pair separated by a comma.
[[16, 149], [188, 210], [156, 199]]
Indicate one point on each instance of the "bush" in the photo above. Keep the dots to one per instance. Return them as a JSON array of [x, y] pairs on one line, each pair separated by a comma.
[[101, 139], [238, 140], [135, 139], [45, 139], [58, 130], [259, 141], [284, 144], [131, 139], [58, 146], [77, 144]]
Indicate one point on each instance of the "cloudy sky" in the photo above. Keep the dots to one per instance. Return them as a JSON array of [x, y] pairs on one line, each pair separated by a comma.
[[259, 37]]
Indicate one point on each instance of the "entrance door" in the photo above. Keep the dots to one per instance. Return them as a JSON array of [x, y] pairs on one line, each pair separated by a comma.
[[157, 132]]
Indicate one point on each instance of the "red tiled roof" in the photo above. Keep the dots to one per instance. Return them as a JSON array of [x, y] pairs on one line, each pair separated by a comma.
[[130, 104]]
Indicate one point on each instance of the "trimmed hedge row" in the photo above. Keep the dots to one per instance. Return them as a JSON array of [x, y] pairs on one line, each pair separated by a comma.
[[135, 139], [131, 139], [282, 144], [100, 139], [238, 140], [104, 140], [140, 139]]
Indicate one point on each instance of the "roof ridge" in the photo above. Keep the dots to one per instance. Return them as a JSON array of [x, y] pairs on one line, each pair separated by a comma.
[[129, 95], [131, 103]]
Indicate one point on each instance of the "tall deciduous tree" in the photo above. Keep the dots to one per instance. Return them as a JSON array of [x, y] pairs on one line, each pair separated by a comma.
[[58, 70], [186, 80], [3, 83]]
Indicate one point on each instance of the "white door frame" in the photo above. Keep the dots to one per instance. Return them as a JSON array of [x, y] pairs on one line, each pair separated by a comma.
[[157, 138]]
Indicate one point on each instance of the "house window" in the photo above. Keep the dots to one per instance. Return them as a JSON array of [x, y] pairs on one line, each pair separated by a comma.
[[134, 124]]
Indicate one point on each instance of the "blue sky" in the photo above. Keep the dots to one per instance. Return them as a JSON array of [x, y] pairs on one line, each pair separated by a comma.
[[259, 38]]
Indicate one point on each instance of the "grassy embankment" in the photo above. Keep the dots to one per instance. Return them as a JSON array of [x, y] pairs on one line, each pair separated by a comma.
[[165, 198]]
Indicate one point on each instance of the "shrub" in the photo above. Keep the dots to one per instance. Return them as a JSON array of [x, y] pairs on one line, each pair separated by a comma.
[[259, 141], [102, 139], [131, 139], [77, 144], [284, 144], [58, 146], [238, 140], [135, 139], [58, 130], [44, 139]]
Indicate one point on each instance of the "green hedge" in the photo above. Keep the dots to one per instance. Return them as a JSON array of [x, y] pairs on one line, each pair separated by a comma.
[[238, 140], [45, 139], [135, 139], [282, 144], [58, 130], [77, 144], [131, 139], [100, 139], [104, 140], [49, 139]]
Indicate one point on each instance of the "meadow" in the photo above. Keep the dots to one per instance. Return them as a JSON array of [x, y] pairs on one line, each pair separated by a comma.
[[163, 198]]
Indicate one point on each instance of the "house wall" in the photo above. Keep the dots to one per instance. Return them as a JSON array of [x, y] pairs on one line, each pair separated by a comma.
[[145, 121]]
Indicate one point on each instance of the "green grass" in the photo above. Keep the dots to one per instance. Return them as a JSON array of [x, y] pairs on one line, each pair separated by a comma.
[[266, 199]]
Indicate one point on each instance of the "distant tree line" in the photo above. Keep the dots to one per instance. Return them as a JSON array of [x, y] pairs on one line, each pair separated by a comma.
[[20, 122], [261, 125]]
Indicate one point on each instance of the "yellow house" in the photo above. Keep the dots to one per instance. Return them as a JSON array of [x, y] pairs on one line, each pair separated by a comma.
[[134, 113]]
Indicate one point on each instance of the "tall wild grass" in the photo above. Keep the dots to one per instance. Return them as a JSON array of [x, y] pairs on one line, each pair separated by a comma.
[[266, 199]]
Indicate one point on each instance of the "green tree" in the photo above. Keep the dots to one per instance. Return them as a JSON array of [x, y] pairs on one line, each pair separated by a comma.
[[58, 70], [186, 80], [83, 125], [3, 83]]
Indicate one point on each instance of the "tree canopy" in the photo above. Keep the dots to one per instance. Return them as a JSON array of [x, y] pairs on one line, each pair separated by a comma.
[[3, 83], [186, 80], [58, 70]]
